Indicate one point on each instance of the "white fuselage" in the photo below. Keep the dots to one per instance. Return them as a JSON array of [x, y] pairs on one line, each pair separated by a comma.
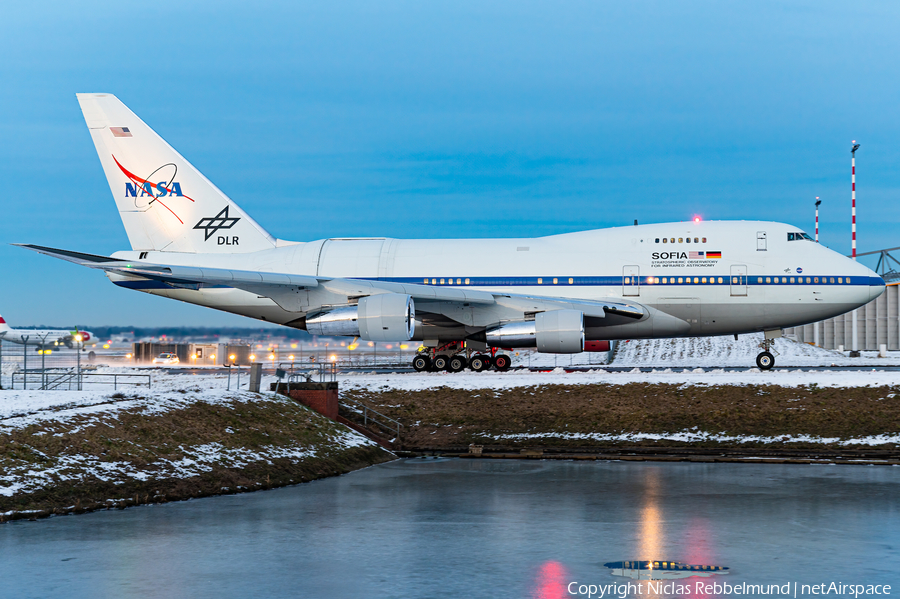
[[719, 277]]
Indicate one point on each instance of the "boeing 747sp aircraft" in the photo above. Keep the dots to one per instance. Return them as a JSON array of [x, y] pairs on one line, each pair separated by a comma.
[[558, 294]]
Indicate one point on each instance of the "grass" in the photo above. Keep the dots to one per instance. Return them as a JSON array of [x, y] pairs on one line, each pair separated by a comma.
[[447, 417], [74, 452]]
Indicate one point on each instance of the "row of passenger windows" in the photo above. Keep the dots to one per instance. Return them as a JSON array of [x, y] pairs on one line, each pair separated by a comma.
[[449, 281], [540, 281], [678, 280], [681, 240], [734, 280]]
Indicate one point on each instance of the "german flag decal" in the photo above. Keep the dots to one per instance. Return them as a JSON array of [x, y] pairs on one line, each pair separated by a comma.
[[712, 254]]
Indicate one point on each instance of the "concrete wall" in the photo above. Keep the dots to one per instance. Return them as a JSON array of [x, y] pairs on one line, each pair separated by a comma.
[[878, 322]]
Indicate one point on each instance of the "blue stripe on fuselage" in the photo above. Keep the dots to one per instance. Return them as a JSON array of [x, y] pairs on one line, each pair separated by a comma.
[[615, 281]]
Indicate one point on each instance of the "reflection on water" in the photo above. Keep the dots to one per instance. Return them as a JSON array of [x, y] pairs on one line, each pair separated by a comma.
[[651, 522], [551, 581], [441, 528], [662, 570]]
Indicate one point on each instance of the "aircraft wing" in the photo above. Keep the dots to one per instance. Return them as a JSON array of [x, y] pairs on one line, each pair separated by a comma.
[[285, 290]]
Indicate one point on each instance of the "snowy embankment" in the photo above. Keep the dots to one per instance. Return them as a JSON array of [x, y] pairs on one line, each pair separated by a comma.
[[806, 408], [186, 436], [599, 376]]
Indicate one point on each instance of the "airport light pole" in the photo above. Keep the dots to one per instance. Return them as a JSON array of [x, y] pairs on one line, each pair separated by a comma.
[[25, 339], [43, 361], [854, 343], [818, 203], [78, 356], [816, 324]]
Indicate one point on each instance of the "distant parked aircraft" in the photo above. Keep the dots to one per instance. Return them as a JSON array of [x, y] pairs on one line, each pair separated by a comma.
[[45, 338], [558, 294]]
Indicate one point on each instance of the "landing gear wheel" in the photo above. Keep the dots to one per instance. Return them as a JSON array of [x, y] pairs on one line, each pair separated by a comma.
[[502, 362], [479, 362], [421, 363], [456, 363], [765, 361], [440, 362]]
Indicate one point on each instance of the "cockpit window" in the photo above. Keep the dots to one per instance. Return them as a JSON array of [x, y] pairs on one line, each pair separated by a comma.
[[799, 236]]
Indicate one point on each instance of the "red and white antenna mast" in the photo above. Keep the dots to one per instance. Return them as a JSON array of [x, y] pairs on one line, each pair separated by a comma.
[[854, 342], [853, 192], [818, 202]]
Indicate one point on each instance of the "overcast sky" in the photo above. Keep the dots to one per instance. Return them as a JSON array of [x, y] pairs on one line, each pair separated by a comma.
[[444, 119]]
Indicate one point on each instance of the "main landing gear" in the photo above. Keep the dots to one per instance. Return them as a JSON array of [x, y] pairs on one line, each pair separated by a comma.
[[452, 358]]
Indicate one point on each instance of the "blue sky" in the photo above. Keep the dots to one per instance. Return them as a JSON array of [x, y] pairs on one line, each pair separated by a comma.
[[444, 119]]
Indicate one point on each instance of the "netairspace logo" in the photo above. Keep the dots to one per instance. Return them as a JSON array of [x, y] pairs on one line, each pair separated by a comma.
[[790, 589]]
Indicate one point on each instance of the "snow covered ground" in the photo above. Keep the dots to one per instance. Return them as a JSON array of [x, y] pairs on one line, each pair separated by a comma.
[[55, 410], [168, 390], [708, 352], [506, 380], [697, 436]]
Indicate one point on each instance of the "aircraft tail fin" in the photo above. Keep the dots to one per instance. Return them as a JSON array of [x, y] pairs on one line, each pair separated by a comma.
[[165, 203], [3, 326]]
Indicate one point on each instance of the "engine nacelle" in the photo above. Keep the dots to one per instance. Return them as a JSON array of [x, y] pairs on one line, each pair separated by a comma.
[[559, 331], [341, 321], [387, 317], [553, 332], [383, 317]]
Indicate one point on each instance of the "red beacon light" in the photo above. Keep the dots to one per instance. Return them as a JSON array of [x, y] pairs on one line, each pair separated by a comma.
[[696, 219]]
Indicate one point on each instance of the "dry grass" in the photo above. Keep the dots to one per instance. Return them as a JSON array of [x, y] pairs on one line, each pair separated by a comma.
[[454, 418], [145, 441]]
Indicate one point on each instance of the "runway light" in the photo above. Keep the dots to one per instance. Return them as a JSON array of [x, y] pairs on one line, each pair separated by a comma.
[[696, 219], [252, 357], [291, 357], [333, 358], [272, 356]]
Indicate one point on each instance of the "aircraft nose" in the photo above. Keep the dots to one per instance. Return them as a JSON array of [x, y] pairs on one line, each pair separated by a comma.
[[876, 286]]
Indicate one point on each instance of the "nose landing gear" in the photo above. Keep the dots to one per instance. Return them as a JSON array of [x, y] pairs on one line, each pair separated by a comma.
[[766, 358]]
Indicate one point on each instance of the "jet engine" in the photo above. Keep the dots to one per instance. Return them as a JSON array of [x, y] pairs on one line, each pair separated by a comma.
[[553, 332], [382, 317]]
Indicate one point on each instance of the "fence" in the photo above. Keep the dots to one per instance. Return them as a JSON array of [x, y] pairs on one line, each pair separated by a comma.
[[72, 380], [375, 417]]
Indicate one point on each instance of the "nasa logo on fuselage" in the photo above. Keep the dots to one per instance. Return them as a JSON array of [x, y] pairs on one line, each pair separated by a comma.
[[670, 255]]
